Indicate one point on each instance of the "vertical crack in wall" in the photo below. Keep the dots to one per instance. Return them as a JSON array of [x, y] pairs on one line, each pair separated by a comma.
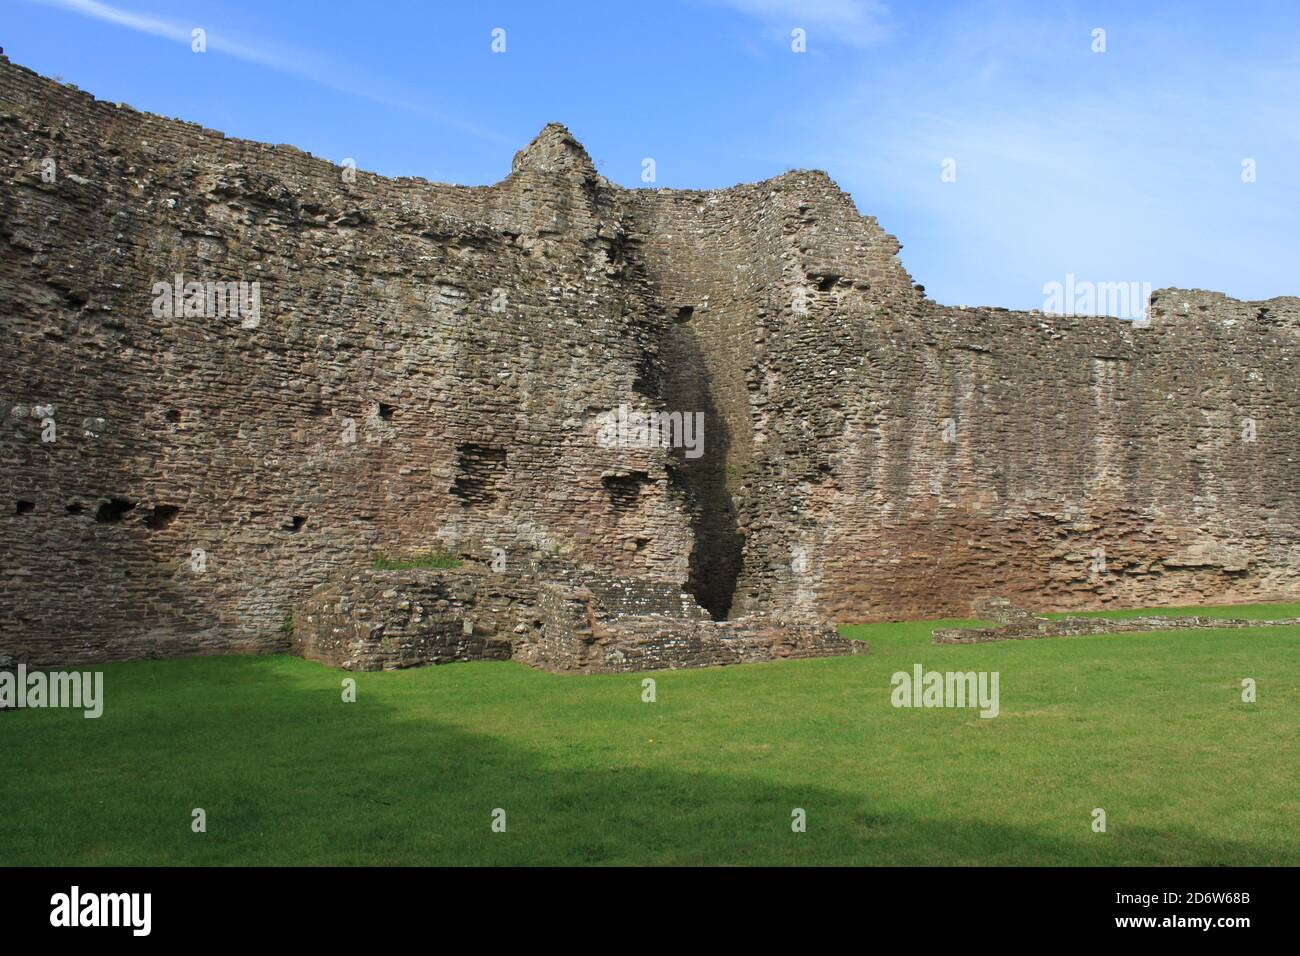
[[716, 558]]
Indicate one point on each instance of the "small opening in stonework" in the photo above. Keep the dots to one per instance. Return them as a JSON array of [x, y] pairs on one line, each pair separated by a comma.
[[386, 411], [173, 415], [74, 507], [827, 282], [112, 510], [625, 490], [295, 522], [22, 507], [162, 516], [685, 313], [479, 469]]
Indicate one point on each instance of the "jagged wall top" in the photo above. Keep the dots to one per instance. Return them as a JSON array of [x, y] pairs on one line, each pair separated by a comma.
[[917, 455], [554, 150]]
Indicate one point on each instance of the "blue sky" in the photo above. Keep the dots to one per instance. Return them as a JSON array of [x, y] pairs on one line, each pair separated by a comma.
[[1117, 166]]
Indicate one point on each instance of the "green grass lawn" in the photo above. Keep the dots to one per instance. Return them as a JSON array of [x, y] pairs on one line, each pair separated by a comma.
[[1150, 727]]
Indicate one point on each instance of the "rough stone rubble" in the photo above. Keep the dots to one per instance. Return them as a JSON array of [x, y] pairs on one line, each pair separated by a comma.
[[1015, 624]]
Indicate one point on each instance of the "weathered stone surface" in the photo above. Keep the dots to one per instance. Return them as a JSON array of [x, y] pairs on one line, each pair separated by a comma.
[[384, 620], [467, 340], [599, 628]]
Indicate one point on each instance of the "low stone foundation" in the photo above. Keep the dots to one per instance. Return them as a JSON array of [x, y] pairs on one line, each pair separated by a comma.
[[1028, 628], [581, 635], [384, 620]]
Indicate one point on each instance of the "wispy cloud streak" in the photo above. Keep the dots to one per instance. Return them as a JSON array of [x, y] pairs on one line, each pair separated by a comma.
[[853, 22], [292, 62]]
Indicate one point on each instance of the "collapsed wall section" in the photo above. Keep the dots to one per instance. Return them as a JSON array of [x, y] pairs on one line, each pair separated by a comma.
[[570, 623]]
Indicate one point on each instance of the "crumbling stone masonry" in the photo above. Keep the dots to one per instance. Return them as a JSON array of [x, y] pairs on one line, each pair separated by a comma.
[[387, 366], [382, 620]]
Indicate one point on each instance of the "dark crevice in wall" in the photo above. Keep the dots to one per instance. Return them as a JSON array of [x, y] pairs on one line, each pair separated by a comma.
[[162, 516], [647, 381], [113, 510], [716, 558], [23, 507], [295, 522]]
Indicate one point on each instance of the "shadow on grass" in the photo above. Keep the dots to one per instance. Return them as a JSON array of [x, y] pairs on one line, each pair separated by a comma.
[[289, 774]]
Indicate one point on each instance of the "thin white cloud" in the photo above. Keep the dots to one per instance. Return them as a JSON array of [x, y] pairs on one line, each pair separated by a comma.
[[283, 60], [102, 11], [855, 22]]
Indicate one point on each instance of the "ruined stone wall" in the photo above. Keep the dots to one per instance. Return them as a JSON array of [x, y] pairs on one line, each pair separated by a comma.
[[386, 620], [899, 458], [775, 279], [1091, 462], [426, 374], [467, 339]]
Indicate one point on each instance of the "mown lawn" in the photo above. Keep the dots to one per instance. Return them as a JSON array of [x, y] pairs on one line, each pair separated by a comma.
[[1149, 727]]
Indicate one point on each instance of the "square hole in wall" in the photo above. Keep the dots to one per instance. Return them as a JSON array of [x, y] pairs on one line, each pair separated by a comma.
[[113, 510], [480, 469], [161, 517], [625, 490]]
